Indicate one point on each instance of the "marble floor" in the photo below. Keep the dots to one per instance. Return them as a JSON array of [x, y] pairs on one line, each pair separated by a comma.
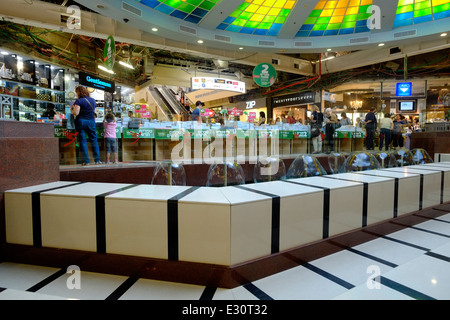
[[411, 264]]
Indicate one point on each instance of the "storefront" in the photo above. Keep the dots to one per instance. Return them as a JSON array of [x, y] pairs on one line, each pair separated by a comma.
[[296, 104]]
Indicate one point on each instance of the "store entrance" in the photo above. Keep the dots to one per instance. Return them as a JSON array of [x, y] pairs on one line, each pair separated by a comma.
[[280, 114]]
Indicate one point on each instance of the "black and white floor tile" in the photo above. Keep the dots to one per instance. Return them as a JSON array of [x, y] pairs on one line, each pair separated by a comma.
[[413, 263]]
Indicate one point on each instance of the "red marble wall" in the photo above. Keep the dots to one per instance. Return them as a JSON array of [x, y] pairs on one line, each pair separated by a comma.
[[28, 156]]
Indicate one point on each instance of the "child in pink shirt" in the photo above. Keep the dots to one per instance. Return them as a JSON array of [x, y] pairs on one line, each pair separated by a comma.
[[110, 137]]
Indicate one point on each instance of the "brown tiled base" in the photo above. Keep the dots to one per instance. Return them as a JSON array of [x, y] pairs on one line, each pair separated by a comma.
[[196, 174], [213, 275]]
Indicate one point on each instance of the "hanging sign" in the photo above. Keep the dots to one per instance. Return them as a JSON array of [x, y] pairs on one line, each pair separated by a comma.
[[264, 75], [109, 53]]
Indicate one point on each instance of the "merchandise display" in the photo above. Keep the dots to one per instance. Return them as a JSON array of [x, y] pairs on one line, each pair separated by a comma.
[[270, 168], [169, 173], [421, 156], [360, 161], [305, 166], [225, 174]]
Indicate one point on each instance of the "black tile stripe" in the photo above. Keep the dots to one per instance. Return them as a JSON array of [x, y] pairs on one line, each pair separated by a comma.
[[398, 241], [421, 192], [2, 289], [365, 208], [421, 229], [395, 190], [366, 255], [124, 287], [172, 223], [208, 293], [404, 289], [396, 197], [442, 179], [438, 256], [275, 236], [257, 292], [328, 276], [47, 280], [36, 212], [100, 217], [326, 205]]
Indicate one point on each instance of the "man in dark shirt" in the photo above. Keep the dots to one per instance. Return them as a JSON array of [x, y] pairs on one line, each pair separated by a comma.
[[371, 125], [195, 116]]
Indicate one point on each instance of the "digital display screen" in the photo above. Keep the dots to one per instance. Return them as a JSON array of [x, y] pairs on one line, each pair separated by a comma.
[[406, 106]]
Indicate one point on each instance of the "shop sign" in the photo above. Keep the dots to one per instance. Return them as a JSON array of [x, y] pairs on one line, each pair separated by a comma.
[[264, 75], [250, 104], [142, 110], [294, 99], [142, 133], [300, 134], [404, 89], [96, 82], [109, 53], [251, 116], [207, 113], [199, 83]]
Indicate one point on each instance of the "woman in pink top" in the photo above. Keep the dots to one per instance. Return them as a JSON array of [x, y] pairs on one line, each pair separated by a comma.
[[110, 137]]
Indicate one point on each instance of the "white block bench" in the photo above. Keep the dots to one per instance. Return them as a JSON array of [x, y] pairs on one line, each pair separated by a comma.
[[218, 229]]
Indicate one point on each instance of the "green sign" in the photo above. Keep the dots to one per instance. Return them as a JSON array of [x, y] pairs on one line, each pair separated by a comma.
[[264, 75], [109, 53]]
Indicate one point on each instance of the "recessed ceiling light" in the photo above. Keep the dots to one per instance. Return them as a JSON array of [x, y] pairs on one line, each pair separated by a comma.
[[328, 50], [154, 29], [200, 41], [241, 48], [443, 34], [381, 44]]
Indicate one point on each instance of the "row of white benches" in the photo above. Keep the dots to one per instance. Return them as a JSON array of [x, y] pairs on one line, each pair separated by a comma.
[[222, 226]]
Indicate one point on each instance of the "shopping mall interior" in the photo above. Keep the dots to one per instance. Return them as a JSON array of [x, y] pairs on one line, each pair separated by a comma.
[[263, 150]]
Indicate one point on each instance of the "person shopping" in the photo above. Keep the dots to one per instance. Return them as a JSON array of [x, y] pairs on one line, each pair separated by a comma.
[[110, 137], [330, 127], [84, 111], [386, 127], [371, 124], [397, 139], [316, 124]]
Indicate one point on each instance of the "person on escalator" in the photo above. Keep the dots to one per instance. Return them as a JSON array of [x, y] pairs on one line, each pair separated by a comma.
[[196, 113]]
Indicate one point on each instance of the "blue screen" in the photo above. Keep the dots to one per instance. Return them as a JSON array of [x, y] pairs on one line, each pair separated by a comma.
[[404, 89]]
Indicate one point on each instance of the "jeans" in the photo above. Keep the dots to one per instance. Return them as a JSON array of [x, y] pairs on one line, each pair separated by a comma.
[[329, 132], [385, 135], [369, 138], [87, 127]]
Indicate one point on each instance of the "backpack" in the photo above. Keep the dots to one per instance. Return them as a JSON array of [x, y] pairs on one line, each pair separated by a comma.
[[320, 117]]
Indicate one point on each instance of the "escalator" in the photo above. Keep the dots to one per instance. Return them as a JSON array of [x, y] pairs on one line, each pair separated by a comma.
[[170, 95], [167, 102], [163, 105]]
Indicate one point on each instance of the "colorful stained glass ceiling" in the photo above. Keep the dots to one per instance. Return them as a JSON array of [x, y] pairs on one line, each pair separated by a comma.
[[258, 17], [411, 12], [189, 10], [337, 17]]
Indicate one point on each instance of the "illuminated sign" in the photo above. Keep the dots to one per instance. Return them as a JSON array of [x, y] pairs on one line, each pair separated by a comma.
[[199, 83], [404, 89], [96, 82]]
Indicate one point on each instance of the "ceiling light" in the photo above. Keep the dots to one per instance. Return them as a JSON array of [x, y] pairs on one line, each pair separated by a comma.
[[126, 65], [328, 50], [200, 41], [105, 69], [443, 34], [154, 29], [381, 44], [241, 48], [4, 53]]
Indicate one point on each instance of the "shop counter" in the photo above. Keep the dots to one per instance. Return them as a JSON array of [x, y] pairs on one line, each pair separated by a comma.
[[157, 144]]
